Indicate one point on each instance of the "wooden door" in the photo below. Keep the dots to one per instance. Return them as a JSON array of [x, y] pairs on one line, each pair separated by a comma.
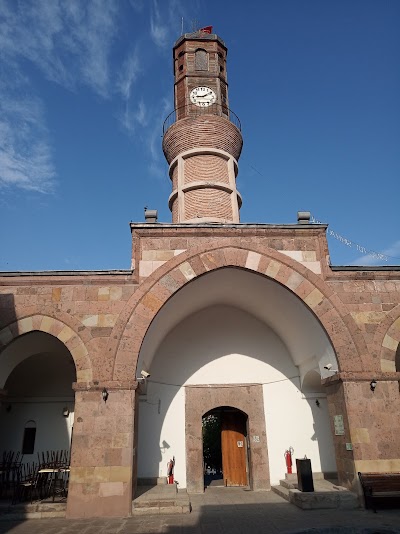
[[234, 448]]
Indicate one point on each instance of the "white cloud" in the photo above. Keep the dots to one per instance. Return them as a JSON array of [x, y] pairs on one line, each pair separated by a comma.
[[68, 41], [130, 118], [25, 153], [129, 73], [71, 43], [158, 29]]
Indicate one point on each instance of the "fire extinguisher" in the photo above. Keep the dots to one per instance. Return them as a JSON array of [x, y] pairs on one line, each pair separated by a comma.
[[288, 457], [170, 470]]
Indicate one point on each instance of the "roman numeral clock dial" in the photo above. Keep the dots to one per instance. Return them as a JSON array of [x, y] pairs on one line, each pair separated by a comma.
[[202, 96]]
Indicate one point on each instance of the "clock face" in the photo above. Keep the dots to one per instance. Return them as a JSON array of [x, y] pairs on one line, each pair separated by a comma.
[[202, 96]]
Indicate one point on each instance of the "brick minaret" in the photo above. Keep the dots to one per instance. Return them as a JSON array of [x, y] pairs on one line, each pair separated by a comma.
[[202, 140]]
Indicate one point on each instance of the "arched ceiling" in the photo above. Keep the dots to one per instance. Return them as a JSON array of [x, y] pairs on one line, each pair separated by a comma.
[[261, 297], [15, 360]]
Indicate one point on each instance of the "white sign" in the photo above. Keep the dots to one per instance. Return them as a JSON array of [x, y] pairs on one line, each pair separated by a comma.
[[240, 443], [339, 425], [256, 439]]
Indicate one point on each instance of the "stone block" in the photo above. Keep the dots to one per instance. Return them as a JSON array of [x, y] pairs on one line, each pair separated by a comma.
[[111, 489], [120, 474], [314, 298], [390, 343], [253, 260], [187, 271], [273, 269]]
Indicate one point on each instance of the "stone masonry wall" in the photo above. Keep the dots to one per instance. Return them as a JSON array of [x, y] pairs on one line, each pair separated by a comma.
[[102, 319]]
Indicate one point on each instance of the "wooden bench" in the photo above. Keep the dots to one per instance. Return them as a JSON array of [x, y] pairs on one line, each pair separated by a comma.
[[380, 490]]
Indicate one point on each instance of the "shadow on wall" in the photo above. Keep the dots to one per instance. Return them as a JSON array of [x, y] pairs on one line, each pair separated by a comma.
[[322, 433], [7, 317], [316, 398]]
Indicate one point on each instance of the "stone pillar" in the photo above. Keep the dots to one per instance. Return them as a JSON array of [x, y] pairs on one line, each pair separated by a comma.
[[370, 423], [102, 455]]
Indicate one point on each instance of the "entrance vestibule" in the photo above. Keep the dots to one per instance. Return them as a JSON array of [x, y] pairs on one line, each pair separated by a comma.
[[212, 345]]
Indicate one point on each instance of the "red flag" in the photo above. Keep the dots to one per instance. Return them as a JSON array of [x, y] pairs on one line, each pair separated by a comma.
[[206, 29]]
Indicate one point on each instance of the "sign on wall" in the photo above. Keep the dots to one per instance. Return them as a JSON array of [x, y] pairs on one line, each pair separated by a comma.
[[339, 425]]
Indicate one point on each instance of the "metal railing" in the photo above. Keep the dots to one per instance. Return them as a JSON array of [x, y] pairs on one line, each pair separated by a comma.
[[191, 110]]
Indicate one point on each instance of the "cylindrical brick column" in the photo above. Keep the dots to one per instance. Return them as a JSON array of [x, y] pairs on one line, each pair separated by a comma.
[[202, 153]]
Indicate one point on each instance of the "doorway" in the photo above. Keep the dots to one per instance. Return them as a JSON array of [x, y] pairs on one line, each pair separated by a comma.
[[225, 447]]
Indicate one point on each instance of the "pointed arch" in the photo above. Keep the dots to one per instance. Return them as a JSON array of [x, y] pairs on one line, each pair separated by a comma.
[[387, 341], [129, 331]]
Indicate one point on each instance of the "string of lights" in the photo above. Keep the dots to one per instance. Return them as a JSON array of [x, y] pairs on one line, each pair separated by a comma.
[[352, 244], [223, 385], [342, 239]]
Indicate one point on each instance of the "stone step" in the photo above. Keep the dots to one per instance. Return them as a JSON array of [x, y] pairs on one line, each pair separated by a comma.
[[36, 510], [327, 494], [319, 500], [161, 499], [289, 483], [282, 491]]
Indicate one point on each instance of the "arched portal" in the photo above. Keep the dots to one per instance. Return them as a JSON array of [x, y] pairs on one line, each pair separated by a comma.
[[37, 409], [232, 338]]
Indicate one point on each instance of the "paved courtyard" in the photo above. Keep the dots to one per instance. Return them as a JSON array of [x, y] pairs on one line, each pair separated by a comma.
[[224, 510]]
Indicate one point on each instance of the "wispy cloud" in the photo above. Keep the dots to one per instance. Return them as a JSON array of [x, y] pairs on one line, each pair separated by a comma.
[[129, 73], [158, 26], [137, 5], [25, 151], [392, 252], [130, 118], [69, 43], [166, 23]]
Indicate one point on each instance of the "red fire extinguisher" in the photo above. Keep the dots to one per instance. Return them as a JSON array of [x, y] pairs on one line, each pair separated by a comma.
[[288, 457], [170, 470]]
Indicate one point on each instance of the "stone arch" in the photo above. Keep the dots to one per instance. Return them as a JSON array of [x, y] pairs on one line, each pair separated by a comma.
[[57, 328], [129, 332], [387, 340]]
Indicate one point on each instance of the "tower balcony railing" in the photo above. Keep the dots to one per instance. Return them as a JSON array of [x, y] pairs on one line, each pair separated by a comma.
[[191, 111]]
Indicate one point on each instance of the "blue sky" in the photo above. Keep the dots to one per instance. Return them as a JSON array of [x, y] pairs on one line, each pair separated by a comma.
[[85, 86]]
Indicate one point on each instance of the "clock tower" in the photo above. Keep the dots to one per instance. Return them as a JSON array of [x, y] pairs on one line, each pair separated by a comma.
[[202, 140]]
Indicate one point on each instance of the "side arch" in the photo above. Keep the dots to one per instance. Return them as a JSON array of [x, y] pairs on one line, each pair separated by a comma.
[[387, 341], [130, 330], [57, 328]]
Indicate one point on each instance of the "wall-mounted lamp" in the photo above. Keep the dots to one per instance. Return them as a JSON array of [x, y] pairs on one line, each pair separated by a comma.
[[372, 385], [104, 394], [329, 366], [317, 403], [65, 411]]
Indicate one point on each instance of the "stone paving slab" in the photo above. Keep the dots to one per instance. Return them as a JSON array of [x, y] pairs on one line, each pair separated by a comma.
[[223, 511]]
